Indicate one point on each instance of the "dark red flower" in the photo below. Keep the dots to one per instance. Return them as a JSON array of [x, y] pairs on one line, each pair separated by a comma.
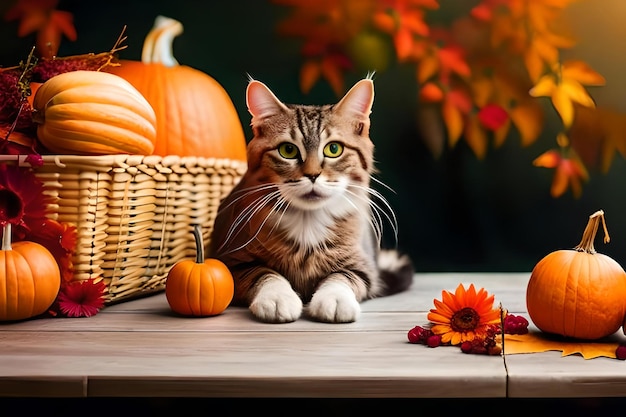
[[81, 298], [60, 240], [22, 201]]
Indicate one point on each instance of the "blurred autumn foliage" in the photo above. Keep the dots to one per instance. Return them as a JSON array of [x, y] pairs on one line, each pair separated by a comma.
[[492, 67], [486, 70]]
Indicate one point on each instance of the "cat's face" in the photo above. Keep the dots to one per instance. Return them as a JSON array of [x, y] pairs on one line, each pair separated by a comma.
[[316, 156]]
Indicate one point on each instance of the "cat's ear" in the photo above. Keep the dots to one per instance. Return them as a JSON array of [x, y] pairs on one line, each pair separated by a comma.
[[359, 100], [261, 101]]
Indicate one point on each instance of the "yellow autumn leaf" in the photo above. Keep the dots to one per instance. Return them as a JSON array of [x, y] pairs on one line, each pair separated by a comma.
[[535, 342], [564, 106], [544, 87], [576, 92]]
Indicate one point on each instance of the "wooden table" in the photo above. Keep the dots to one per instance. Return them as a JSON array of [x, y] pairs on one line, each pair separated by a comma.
[[140, 349]]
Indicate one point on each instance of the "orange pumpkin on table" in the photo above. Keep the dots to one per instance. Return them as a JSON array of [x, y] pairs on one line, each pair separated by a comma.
[[578, 292], [200, 287], [29, 278], [195, 115]]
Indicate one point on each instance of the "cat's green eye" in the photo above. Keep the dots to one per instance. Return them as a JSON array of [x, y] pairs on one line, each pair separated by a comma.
[[333, 149], [288, 150]]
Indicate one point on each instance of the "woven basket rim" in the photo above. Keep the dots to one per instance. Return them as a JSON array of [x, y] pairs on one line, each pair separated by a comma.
[[126, 160]]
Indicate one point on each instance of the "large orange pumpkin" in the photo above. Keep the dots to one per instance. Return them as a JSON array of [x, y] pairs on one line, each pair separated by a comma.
[[195, 115], [200, 287], [578, 292], [29, 278]]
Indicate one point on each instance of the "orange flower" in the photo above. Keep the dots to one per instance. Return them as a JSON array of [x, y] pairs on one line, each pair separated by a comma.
[[464, 315]]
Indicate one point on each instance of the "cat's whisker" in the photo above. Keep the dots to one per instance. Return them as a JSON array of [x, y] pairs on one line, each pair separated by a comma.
[[256, 233], [379, 211], [379, 182], [247, 214], [246, 192], [374, 219]]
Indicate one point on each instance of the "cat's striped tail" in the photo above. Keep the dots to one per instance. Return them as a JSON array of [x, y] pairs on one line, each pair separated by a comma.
[[396, 271]]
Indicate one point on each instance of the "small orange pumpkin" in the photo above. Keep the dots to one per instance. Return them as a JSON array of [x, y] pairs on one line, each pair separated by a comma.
[[200, 287], [578, 293], [195, 115], [29, 278]]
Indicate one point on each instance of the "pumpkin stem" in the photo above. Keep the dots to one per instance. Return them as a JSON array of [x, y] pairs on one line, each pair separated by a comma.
[[589, 235], [6, 236], [197, 234], [158, 45]]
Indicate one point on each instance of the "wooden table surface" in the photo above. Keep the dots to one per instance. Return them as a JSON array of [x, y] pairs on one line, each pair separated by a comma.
[[140, 349]]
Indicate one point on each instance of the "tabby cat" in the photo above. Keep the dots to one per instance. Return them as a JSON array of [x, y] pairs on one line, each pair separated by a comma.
[[301, 231]]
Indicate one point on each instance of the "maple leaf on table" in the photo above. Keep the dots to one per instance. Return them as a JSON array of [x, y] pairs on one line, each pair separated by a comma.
[[565, 87], [40, 16]]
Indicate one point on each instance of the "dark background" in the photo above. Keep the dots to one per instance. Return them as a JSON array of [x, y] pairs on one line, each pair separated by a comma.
[[455, 213]]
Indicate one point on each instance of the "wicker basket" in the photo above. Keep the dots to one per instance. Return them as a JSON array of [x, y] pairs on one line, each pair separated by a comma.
[[135, 214]]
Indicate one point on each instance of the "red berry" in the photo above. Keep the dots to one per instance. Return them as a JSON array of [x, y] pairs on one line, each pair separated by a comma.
[[433, 341], [515, 324], [415, 334], [620, 352], [466, 347]]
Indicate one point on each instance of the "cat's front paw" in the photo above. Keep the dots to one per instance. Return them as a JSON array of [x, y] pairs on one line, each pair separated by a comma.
[[276, 302], [334, 302]]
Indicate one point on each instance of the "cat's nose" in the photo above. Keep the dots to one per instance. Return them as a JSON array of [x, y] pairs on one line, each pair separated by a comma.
[[312, 177]]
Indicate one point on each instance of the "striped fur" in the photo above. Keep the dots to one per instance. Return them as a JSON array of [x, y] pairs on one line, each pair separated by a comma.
[[301, 231]]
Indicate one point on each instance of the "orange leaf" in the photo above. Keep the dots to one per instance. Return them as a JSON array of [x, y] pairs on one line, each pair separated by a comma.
[[528, 119], [548, 159], [426, 68], [559, 182], [534, 64], [476, 137], [582, 72], [453, 120], [385, 22], [64, 23], [403, 41], [332, 73], [310, 72], [430, 93], [451, 59]]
